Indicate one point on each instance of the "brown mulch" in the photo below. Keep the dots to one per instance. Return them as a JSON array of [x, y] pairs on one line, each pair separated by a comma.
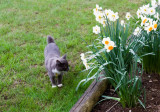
[[151, 84]]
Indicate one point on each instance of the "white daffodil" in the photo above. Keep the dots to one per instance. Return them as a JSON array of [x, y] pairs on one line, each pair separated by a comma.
[[100, 17], [152, 11], [144, 9], [144, 20], [110, 46], [138, 13], [106, 41], [137, 31], [155, 25], [122, 23], [97, 9], [154, 3], [103, 22], [113, 16], [108, 12], [82, 56], [96, 29], [157, 16], [149, 28], [158, 2], [86, 64], [128, 15]]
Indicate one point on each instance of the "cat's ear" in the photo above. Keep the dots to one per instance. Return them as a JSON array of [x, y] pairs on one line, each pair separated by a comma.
[[58, 62], [64, 57]]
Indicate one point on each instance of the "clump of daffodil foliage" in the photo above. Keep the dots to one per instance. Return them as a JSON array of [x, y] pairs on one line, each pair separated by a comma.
[[148, 27], [115, 55]]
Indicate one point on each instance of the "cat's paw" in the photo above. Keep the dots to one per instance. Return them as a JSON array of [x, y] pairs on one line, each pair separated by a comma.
[[54, 86], [60, 85]]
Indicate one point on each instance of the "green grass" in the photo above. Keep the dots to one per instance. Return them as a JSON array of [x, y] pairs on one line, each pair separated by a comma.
[[24, 26]]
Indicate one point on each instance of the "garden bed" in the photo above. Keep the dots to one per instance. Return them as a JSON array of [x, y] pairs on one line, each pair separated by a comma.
[[151, 83]]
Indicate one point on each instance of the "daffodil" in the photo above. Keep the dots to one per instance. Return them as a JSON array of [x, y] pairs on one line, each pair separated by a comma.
[[152, 11], [144, 9], [158, 2], [103, 22], [122, 23], [155, 25], [82, 56], [149, 28], [96, 10], [137, 31], [128, 15], [139, 13], [154, 3], [108, 12], [113, 16], [96, 29], [106, 41], [86, 64], [157, 16], [110, 46], [144, 20], [100, 17]]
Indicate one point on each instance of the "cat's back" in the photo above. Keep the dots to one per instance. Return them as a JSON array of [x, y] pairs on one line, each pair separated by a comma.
[[51, 48]]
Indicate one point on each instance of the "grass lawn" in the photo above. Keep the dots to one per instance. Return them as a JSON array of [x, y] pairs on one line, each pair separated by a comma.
[[24, 26]]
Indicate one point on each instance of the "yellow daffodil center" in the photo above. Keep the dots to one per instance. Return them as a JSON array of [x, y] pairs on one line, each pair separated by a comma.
[[110, 47], [155, 25], [96, 9], [100, 17], [113, 16], [151, 10], [144, 21], [107, 14], [145, 9], [150, 28], [96, 29], [106, 42]]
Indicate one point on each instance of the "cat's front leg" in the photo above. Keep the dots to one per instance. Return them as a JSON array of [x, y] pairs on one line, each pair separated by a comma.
[[53, 81], [60, 80]]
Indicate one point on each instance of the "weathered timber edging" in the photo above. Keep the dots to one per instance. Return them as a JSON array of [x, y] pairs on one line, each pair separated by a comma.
[[90, 97]]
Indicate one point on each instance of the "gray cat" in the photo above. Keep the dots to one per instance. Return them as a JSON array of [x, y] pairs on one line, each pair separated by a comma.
[[55, 64]]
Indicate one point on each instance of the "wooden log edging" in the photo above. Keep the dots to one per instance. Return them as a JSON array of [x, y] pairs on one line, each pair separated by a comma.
[[91, 96]]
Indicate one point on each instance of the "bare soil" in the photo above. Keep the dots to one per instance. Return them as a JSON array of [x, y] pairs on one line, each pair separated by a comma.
[[151, 83]]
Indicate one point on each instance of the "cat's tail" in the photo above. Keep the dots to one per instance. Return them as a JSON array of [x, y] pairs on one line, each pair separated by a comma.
[[50, 39]]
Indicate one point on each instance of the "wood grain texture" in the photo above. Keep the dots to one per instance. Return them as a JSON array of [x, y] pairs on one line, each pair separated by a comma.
[[91, 96]]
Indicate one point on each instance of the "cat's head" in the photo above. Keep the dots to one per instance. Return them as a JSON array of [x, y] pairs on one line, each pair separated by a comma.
[[62, 64]]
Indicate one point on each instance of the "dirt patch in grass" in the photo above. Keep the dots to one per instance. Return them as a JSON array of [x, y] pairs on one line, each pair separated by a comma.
[[152, 85]]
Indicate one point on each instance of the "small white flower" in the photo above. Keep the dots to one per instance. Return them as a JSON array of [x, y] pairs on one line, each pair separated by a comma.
[[100, 17], [103, 22], [82, 56], [96, 29], [158, 2], [144, 9], [152, 11], [144, 20], [149, 28], [157, 16], [154, 3], [138, 13], [155, 25], [110, 46], [86, 64], [122, 23], [137, 31], [128, 15], [97, 9], [113, 16], [106, 41], [108, 12]]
